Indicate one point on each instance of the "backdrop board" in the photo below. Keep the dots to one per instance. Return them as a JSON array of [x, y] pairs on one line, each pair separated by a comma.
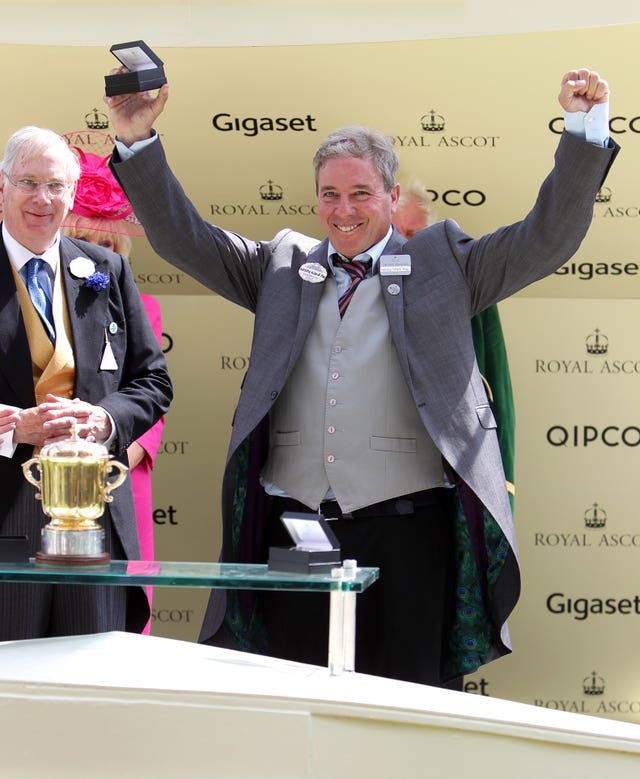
[[575, 365], [477, 120]]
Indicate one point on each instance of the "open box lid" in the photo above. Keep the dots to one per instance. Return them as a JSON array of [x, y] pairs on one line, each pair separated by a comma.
[[309, 532], [146, 71], [136, 55]]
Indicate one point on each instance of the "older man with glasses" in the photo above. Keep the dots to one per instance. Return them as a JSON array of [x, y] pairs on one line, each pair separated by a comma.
[[76, 350]]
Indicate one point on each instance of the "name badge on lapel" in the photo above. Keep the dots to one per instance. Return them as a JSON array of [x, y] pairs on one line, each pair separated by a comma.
[[313, 272], [395, 265], [108, 362]]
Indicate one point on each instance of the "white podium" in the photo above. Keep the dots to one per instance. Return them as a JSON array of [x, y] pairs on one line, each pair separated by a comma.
[[124, 705]]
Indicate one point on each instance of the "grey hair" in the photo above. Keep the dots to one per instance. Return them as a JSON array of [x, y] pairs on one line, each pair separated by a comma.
[[30, 141], [414, 190], [362, 142]]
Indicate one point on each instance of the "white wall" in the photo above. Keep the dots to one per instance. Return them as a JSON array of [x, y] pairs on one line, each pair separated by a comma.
[[282, 22]]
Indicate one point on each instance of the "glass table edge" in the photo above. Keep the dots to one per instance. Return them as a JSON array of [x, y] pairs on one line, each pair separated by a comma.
[[187, 574]]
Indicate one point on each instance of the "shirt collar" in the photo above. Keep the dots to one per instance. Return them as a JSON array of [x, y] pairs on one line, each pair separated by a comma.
[[374, 252], [19, 255]]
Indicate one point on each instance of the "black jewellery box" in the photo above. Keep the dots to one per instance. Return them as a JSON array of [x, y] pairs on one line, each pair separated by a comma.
[[14, 549], [146, 69], [316, 550]]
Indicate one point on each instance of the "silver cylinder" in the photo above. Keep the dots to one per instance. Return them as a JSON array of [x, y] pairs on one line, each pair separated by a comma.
[[85, 543]]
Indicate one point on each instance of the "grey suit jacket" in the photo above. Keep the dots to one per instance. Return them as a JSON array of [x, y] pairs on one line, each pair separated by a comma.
[[136, 394], [453, 277]]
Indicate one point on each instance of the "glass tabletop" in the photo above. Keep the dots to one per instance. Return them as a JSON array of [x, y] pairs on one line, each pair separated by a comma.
[[229, 576]]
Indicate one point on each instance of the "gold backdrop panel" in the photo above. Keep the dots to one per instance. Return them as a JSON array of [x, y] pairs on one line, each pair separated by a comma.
[[477, 120], [576, 372]]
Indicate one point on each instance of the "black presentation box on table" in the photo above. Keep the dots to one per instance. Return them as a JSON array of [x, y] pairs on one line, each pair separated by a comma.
[[316, 550], [14, 549]]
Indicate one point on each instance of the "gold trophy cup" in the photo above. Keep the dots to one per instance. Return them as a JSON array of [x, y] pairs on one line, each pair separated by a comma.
[[73, 486]]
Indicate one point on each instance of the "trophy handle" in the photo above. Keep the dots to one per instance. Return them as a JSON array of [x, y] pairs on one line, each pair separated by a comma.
[[28, 475], [111, 485]]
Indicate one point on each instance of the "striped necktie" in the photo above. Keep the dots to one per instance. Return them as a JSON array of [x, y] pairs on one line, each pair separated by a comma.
[[357, 268], [40, 301]]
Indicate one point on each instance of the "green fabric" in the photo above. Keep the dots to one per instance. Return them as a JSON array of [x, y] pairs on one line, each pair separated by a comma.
[[244, 623], [240, 492], [472, 632], [491, 354], [249, 636]]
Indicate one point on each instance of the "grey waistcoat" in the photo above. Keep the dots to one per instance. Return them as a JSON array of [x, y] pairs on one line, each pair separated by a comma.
[[346, 420]]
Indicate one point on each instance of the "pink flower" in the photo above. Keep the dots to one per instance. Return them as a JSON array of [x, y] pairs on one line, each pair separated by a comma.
[[98, 193]]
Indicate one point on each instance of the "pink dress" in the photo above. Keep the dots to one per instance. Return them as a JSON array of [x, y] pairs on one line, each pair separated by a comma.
[[141, 474]]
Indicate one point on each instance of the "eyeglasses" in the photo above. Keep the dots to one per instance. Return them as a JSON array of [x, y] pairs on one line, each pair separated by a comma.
[[52, 188]]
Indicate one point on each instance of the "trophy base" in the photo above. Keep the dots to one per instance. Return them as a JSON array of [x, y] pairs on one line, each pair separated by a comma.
[[62, 560], [72, 547]]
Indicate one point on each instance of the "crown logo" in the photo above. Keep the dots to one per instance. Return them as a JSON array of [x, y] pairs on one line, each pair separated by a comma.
[[271, 191], [593, 685], [595, 517], [597, 343], [96, 120], [432, 122], [603, 195]]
